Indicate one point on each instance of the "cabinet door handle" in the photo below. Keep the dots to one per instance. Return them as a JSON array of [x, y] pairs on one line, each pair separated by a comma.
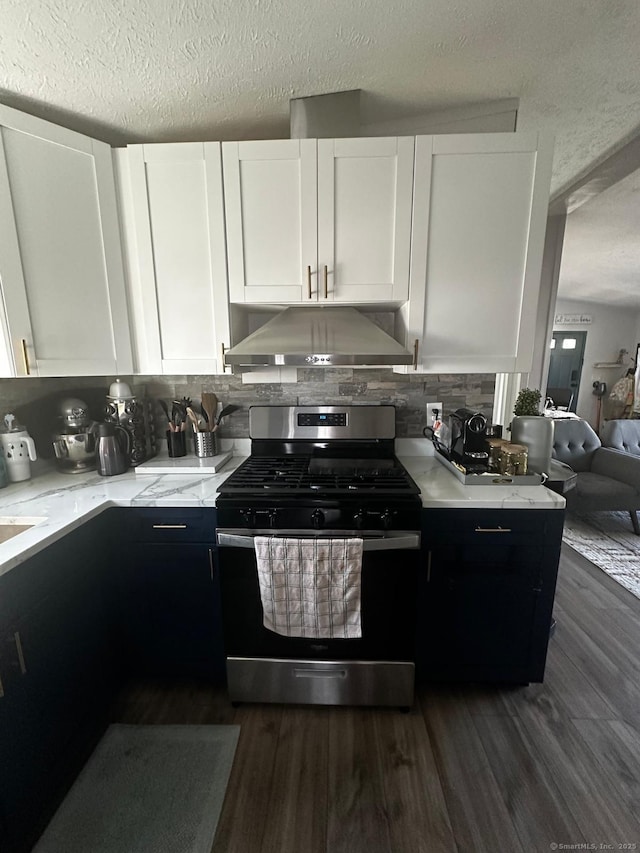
[[326, 286], [18, 642], [309, 282], [169, 526], [429, 567], [416, 343], [25, 356], [223, 363], [493, 530], [211, 562]]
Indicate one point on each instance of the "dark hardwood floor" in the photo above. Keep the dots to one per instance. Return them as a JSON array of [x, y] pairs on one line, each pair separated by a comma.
[[470, 768]]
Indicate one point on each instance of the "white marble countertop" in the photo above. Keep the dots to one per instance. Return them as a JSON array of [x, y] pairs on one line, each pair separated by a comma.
[[65, 501], [440, 489]]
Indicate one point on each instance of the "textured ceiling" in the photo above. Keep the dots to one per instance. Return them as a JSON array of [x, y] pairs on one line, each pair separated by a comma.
[[143, 70], [601, 255], [167, 70]]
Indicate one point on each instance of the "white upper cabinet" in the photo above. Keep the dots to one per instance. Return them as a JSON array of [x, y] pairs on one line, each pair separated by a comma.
[[365, 187], [479, 218], [172, 208], [324, 220], [270, 192], [61, 266]]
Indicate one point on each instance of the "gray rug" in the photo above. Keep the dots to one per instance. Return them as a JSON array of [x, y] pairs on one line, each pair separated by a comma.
[[146, 789], [608, 540]]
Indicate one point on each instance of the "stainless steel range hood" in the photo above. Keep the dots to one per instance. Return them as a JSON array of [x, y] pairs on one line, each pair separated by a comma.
[[319, 337]]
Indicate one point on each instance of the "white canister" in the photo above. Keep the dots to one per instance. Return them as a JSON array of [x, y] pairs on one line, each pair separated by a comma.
[[536, 433], [18, 450]]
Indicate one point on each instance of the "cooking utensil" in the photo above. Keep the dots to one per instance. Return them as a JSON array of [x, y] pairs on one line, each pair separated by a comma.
[[195, 421], [178, 416], [223, 414], [210, 406]]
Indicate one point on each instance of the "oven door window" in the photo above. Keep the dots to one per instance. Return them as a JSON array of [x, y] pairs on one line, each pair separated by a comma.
[[388, 598]]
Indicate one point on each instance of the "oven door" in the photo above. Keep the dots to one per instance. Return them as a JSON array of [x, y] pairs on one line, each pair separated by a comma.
[[376, 669]]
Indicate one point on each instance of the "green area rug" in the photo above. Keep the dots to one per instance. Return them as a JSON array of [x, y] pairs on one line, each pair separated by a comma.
[[146, 789], [607, 539]]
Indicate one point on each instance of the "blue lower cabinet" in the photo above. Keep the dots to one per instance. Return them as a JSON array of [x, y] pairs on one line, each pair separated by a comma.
[[486, 593], [56, 672], [134, 591], [169, 620]]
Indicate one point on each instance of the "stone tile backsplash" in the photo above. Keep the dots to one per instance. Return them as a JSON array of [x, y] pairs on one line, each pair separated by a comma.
[[34, 400]]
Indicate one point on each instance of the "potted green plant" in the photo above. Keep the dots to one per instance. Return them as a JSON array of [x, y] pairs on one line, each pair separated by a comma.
[[531, 428], [528, 402]]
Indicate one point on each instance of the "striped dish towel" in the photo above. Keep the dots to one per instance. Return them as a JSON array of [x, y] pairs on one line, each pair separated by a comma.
[[310, 587]]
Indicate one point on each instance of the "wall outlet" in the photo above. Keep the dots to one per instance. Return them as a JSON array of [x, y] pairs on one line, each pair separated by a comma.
[[430, 414]]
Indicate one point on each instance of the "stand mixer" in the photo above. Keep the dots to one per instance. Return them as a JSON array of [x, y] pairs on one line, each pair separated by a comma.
[[75, 443]]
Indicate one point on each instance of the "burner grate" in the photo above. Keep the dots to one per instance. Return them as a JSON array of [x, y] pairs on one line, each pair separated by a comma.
[[296, 473]]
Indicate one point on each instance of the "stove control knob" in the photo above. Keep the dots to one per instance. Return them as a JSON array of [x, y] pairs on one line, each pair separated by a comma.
[[317, 519], [387, 518], [273, 514], [247, 515], [360, 518]]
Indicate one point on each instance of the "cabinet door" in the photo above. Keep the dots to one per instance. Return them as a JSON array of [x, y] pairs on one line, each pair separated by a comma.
[[169, 606], [484, 574], [61, 262], [25, 763], [364, 218], [480, 205], [174, 205], [55, 672], [271, 215], [480, 617]]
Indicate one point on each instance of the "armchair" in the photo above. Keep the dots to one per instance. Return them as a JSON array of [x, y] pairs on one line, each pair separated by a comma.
[[622, 435], [605, 479]]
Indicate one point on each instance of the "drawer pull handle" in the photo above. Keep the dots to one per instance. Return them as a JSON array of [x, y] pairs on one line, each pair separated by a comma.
[[169, 526], [319, 673], [211, 562], [493, 530]]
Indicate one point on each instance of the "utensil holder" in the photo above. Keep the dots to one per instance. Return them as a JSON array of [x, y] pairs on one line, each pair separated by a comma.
[[205, 444], [176, 443]]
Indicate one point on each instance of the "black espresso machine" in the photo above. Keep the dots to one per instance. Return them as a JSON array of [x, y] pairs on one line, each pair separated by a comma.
[[469, 440]]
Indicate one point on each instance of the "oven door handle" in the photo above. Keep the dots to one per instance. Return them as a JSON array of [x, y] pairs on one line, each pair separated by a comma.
[[404, 541]]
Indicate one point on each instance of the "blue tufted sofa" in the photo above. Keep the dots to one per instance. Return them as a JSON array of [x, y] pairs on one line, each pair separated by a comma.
[[623, 435], [606, 479]]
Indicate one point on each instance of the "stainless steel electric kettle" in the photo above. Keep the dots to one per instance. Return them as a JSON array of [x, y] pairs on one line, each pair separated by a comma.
[[112, 450]]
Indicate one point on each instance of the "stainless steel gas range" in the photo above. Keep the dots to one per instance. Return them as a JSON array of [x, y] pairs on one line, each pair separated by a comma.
[[317, 476]]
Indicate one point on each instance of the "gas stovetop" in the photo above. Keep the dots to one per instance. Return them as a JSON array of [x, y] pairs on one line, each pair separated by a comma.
[[261, 475], [321, 468]]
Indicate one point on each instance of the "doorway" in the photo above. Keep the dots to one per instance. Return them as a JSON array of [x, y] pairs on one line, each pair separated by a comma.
[[565, 368]]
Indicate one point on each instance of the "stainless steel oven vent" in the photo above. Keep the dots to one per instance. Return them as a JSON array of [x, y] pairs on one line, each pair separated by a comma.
[[319, 337]]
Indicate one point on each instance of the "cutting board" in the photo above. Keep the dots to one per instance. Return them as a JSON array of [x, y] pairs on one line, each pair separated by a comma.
[[189, 464]]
